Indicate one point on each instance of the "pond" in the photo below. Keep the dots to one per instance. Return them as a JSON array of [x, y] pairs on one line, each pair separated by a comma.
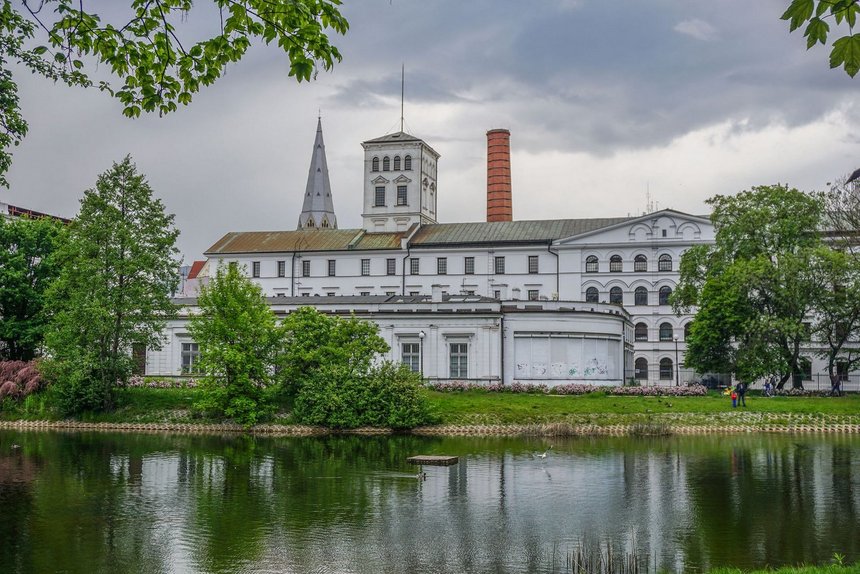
[[99, 502]]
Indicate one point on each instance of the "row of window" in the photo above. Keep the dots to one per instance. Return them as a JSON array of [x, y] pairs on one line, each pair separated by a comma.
[[386, 163], [379, 199], [414, 266], [616, 264], [667, 333], [667, 369], [640, 295], [458, 359]]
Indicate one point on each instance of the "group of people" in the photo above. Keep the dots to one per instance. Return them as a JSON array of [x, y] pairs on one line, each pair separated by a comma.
[[738, 394]]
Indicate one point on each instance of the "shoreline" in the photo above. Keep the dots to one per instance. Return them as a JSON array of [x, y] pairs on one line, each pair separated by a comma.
[[653, 426]]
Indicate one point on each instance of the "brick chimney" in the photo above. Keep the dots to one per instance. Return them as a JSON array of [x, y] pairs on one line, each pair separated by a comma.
[[499, 206]]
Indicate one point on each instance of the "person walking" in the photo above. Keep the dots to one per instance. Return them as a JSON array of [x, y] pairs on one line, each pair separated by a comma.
[[742, 391]]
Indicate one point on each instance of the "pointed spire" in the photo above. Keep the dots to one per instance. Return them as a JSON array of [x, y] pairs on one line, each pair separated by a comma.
[[318, 207]]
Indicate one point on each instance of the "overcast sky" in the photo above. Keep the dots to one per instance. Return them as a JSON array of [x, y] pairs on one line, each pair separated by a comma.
[[604, 100]]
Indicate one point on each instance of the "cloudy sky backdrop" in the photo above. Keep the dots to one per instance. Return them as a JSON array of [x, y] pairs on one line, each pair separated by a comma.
[[605, 101]]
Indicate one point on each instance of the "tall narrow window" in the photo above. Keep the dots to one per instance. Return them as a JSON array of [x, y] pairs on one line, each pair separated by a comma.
[[640, 296], [641, 367], [365, 267], [459, 360], [533, 264], [616, 295], [379, 197], [390, 266], [397, 163], [687, 330], [441, 265], [666, 370], [615, 264], [592, 295], [401, 195], [664, 263], [666, 332], [331, 267], [665, 293], [640, 263], [500, 265], [386, 164], [469, 266], [414, 266], [410, 355], [282, 268], [640, 332], [591, 264], [374, 164], [407, 163], [190, 357], [306, 268], [255, 269]]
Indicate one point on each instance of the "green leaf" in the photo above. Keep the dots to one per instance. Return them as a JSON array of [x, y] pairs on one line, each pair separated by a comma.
[[798, 12], [846, 51], [39, 50], [816, 32]]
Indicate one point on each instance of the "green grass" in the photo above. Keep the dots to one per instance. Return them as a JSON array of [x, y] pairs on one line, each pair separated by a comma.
[[793, 570]]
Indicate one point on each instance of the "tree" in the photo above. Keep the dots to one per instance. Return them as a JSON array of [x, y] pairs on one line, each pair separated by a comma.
[[241, 347], [157, 69], [814, 14], [119, 267], [756, 285], [27, 268]]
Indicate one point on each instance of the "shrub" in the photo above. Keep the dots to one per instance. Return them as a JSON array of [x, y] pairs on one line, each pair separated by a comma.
[[387, 395], [19, 379]]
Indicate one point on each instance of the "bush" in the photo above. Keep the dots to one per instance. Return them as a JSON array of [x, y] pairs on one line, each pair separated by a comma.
[[19, 379], [388, 395]]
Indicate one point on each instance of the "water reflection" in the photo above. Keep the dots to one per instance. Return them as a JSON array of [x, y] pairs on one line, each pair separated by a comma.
[[81, 502]]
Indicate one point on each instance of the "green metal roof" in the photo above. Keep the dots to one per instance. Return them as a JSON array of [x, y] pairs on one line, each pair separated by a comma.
[[303, 240], [478, 233]]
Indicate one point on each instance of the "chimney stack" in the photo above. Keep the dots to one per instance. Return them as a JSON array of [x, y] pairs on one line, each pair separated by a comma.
[[499, 206]]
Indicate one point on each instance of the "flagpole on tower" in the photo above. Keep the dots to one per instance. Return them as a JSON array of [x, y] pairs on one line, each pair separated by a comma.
[[402, 91]]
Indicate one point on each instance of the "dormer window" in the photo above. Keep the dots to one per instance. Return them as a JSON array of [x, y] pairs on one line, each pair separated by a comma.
[[407, 163], [397, 163], [374, 164], [324, 223], [386, 164], [310, 222]]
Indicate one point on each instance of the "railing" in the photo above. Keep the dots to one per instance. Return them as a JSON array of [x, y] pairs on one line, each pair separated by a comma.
[[813, 382]]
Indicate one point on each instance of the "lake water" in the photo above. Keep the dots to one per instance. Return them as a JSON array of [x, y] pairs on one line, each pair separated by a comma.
[[96, 502]]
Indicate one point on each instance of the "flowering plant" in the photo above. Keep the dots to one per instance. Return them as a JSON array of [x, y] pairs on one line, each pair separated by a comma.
[[19, 379], [570, 389]]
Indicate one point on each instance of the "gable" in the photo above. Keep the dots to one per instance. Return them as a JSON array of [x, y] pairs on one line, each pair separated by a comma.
[[666, 225]]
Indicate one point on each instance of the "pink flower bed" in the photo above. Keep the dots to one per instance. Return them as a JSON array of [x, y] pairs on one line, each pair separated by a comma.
[[138, 382], [570, 389], [19, 379]]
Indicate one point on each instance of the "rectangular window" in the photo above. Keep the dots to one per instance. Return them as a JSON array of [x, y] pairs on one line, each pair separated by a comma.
[[365, 267], [391, 266], [414, 293], [497, 294], [533, 264], [390, 293], [329, 294], [410, 355], [282, 268], [500, 265], [379, 197], [306, 268], [414, 266], [255, 269], [534, 294], [331, 267], [459, 360], [401, 195], [469, 266], [364, 293], [190, 358], [442, 265]]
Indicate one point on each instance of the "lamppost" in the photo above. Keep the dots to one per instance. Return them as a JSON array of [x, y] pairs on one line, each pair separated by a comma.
[[677, 372], [421, 335]]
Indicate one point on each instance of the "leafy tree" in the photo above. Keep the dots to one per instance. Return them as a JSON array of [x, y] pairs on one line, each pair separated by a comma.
[[755, 286], [157, 69], [118, 268], [27, 268], [241, 346], [814, 15]]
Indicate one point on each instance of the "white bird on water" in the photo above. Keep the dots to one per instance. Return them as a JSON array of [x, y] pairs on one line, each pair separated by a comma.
[[545, 453]]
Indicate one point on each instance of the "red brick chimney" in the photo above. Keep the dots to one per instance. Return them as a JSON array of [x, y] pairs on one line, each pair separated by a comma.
[[499, 206]]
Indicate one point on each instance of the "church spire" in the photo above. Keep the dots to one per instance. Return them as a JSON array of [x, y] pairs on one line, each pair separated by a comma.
[[318, 207]]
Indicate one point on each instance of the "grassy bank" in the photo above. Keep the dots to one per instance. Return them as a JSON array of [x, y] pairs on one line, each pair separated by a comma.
[[145, 405], [799, 570]]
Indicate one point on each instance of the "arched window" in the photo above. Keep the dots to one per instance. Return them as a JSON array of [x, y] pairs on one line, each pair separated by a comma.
[[616, 295], [640, 263], [615, 263], [665, 293], [591, 264], [641, 369], [640, 296], [309, 222], [687, 330], [324, 223], [592, 295], [386, 166], [664, 263], [666, 332], [407, 163], [666, 370], [374, 164], [640, 332], [397, 163]]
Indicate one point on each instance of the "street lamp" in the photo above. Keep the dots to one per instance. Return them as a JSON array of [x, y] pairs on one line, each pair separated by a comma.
[[421, 335], [677, 372]]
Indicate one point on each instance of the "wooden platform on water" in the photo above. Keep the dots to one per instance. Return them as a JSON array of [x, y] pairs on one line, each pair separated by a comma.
[[433, 460]]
